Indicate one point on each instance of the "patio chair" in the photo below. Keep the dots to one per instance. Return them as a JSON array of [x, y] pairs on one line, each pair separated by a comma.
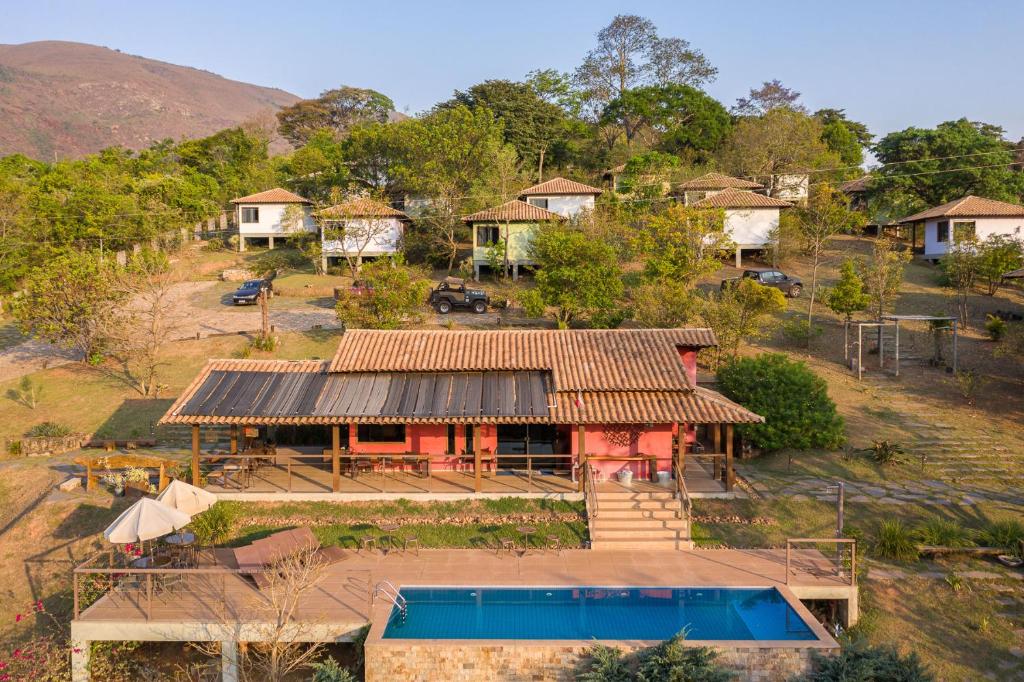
[[367, 542], [415, 463], [384, 463], [413, 542], [507, 545], [553, 542], [361, 464]]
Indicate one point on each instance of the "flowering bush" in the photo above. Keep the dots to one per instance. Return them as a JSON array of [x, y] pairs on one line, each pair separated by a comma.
[[42, 657]]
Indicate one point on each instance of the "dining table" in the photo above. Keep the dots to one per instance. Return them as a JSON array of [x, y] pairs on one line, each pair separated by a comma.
[[181, 539], [389, 534]]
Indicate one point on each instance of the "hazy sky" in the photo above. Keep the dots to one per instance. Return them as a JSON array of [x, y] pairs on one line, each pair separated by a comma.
[[891, 64]]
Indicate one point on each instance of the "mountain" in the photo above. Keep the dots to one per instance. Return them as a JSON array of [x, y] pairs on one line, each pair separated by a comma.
[[62, 99]]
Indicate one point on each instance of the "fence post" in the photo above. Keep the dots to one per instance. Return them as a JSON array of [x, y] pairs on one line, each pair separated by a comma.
[[149, 596]]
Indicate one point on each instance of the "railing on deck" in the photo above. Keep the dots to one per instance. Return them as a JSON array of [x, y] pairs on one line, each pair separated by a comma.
[[590, 496], [685, 503], [838, 560]]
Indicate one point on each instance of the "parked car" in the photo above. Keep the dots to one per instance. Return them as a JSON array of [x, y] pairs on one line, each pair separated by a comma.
[[453, 294], [790, 286], [249, 292]]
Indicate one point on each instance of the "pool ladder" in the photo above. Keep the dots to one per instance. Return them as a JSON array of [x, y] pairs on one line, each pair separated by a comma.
[[391, 593]]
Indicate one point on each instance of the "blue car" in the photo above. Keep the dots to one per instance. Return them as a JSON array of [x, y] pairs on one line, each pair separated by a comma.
[[249, 292]]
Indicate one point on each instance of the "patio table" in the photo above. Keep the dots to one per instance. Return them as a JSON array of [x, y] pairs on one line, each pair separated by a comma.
[[152, 562], [389, 530], [181, 539]]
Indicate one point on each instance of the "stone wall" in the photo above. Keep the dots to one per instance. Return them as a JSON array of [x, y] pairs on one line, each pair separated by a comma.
[[555, 663]]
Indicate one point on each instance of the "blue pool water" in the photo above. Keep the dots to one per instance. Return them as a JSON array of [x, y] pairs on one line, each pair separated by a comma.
[[596, 613]]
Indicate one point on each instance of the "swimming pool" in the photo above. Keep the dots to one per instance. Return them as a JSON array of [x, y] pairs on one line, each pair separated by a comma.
[[585, 613]]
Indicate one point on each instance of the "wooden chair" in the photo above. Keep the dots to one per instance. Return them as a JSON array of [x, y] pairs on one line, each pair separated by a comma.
[[507, 544], [361, 464], [413, 542], [367, 542], [553, 542]]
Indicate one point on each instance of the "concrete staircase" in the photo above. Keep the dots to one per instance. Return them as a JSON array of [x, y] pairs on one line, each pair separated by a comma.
[[639, 520]]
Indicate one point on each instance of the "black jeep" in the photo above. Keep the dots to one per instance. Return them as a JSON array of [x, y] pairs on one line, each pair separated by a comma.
[[452, 294]]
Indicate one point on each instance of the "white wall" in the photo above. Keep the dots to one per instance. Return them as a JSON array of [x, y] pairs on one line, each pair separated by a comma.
[[270, 220], [791, 187], [983, 227], [385, 235], [750, 227], [567, 205]]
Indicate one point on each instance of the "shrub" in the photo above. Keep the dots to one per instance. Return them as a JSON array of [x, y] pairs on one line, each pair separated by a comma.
[[793, 400], [214, 244], [329, 670], [968, 382], [532, 303], [264, 342], [606, 664], [894, 542], [996, 327], [885, 452], [1006, 534], [215, 524], [799, 332], [49, 430], [666, 662], [858, 661], [942, 533]]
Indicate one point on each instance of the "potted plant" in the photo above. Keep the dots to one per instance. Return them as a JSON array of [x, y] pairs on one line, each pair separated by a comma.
[[626, 476]]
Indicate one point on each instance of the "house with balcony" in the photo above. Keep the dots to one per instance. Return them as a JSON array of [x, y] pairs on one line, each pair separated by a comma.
[[273, 214], [567, 198], [934, 232], [509, 228], [359, 229], [750, 218]]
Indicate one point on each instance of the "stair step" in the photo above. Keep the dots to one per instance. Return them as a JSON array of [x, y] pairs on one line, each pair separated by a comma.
[[619, 505], [636, 495], [632, 545], [602, 524], [637, 534], [637, 514]]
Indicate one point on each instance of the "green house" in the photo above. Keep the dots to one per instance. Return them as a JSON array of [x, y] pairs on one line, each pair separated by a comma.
[[514, 222]]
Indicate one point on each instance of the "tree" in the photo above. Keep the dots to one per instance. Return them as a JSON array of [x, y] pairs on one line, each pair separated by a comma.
[[337, 110], [317, 167], [376, 155], [826, 215], [646, 175], [781, 141], [235, 158], [739, 312], [578, 276], [393, 295], [682, 244], [682, 116], [69, 302], [844, 137], [997, 255], [663, 304], [950, 161], [792, 399], [531, 124], [848, 295], [770, 96], [883, 275], [859, 661], [960, 265]]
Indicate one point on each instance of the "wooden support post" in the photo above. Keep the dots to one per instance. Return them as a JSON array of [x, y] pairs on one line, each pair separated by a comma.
[[234, 439], [336, 458], [717, 447], [581, 455], [729, 476], [163, 477], [195, 455], [478, 437]]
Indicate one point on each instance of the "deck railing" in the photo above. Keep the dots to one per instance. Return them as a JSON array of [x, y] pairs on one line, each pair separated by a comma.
[[685, 503], [590, 496], [838, 559]]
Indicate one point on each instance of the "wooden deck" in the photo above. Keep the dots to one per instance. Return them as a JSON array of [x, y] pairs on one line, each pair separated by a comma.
[[342, 598], [303, 477]]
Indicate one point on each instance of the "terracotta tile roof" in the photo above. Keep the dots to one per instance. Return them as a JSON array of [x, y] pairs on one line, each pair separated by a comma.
[[361, 207], [579, 359], [560, 186], [861, 184], [659, 407], [272, 196], [718, 181], [740, 198], [969, 207], [513, 211]]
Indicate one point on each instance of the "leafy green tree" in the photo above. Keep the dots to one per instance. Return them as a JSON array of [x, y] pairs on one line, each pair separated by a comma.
[[997, 255], [683, 117], [883, 274], [317, 167], [739, 312], [576, 275], [846, 138], [394, 295], [69, 302], [647, 175], [792, 399], [235, 158], [960, 267], [954, 159], [337, 110], [826, 215], [682, 244], [848, 295], [376, 156], [860, 661], [531, 125], [663, 304]]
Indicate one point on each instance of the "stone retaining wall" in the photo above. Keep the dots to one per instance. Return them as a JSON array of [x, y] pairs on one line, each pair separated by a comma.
[[556, 663]]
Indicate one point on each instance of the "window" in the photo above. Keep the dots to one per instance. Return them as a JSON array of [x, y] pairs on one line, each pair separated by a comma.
[[963, 231], [487, 234], [539, 202], [942, 231], [250, 214], [451, 439], [470, 429], [381, 433]]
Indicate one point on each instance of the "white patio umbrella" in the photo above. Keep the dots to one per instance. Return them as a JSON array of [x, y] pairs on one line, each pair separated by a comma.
[[145, 520], [186, 498]]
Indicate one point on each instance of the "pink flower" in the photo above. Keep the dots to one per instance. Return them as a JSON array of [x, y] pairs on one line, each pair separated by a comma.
[[39, 606], [5, 677], [17, 618], [17, 653], [77, 650]]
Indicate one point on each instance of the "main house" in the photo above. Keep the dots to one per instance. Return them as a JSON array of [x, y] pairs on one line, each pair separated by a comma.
[[517, 405], [360, 228], [750, 218], [276, 213], [508, 228], [967, 218], [567, 198]]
